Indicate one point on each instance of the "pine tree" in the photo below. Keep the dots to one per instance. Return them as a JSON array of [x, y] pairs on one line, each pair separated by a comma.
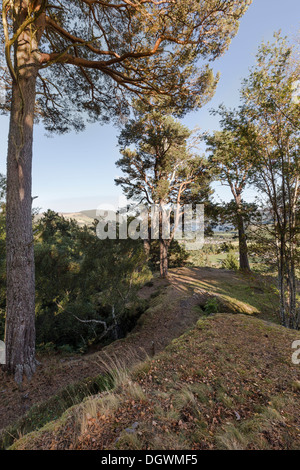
[[161, 169], [88, 56], [231, 155]]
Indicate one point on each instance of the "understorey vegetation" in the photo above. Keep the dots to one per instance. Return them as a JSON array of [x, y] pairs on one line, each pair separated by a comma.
[[86, 288]]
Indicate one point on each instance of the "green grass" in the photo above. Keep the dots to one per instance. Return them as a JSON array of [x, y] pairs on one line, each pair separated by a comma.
[[250, 294]]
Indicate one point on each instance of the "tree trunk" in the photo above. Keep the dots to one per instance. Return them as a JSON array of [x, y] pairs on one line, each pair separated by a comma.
[[20, 311], [281, 272], [243, 248], [163, 252], [293, 321], [147, 245], [163, 245], [147, 248]]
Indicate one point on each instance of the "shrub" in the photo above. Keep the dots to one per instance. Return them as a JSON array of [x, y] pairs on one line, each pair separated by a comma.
[[226, 247], [84, 283], [230, 262], [211, 306]]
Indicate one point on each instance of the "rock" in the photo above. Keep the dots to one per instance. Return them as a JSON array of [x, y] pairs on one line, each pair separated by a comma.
[[132, 428]]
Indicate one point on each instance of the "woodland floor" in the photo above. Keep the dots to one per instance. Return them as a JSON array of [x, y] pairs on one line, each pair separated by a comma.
[[57, 372], [174, 309]]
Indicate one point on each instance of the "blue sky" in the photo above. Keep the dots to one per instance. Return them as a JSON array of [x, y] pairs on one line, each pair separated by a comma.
[[76, 171]]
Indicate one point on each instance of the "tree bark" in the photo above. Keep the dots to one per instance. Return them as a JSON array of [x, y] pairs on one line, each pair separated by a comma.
[[281, 270], [147, 244], [163, 245], [147, 248], [20, 310], [163, 252], [243, 248]]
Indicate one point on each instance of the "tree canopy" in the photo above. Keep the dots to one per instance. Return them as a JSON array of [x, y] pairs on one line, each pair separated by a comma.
[[161, 166], [68, 61], [271, 106], [231, 157], [102, 52]]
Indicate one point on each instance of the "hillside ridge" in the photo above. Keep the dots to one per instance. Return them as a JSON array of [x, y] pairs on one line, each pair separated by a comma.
[[175, 307]]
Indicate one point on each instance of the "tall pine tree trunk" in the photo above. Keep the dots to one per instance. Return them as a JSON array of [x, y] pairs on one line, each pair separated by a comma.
[[20, 312], [147, 244], [163, 254], [163, 244]]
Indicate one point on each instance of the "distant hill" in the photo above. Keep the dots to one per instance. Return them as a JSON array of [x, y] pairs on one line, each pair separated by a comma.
[[89, 213], [82, 218]]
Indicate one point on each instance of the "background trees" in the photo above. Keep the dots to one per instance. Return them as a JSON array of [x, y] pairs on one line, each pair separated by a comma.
[[259, 146], [86, 288], [269, 97], [87, 55], [161, 169], [231, 156]]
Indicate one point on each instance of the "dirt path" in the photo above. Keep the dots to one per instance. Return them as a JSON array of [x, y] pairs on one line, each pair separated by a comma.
[[170, 314]]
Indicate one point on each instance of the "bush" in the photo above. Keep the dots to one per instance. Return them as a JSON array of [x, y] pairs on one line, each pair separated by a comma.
[[210, 248], [230, 262], [211, 306], [81, 280], [226, 247]]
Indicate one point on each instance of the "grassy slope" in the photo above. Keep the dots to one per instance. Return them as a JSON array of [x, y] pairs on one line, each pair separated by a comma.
[[227, 383]]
